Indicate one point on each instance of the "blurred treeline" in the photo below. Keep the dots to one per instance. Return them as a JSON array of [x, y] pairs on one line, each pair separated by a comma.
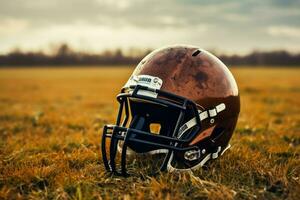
[[66, 56]]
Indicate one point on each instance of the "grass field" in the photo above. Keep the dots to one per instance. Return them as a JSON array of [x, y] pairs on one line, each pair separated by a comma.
[[51, 122]]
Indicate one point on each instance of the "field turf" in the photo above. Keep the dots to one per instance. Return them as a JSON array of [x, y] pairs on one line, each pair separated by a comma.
[[51, 122]]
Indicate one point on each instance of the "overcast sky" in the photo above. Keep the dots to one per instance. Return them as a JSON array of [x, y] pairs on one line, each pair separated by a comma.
[[232, 26]]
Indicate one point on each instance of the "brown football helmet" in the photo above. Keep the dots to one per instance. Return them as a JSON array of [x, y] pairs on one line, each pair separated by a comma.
[[181, 101]]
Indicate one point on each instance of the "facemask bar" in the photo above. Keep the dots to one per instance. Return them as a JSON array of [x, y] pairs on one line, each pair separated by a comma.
[[119, 131]]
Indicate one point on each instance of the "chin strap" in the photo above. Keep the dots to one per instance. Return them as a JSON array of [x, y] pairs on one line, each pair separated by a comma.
[[202, 115], [208, 157]]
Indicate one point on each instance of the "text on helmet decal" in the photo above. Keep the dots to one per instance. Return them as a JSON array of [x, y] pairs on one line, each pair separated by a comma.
[[147, 81], [144, 80]]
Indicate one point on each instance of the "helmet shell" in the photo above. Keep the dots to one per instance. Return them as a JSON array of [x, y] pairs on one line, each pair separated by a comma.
[[199, 76], [190, 72], [195, 74]]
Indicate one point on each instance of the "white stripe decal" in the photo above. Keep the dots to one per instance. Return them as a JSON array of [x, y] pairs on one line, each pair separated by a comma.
[[220, 107], [202, 115]]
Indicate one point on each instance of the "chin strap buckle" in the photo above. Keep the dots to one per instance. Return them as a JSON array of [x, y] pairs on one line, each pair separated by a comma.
[[216, 154]]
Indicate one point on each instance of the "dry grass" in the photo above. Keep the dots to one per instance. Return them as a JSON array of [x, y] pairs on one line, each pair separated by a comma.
[[50, 127]]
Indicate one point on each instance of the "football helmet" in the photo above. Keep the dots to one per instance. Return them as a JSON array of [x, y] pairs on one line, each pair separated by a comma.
[[181, 101]]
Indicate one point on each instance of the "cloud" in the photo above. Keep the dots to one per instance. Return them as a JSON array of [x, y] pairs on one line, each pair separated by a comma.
[[284, 31], [83, 36], [12, 26], [142, 13], [145, 13], [286, 3], [118, 4], [96, 24], [233, 17]]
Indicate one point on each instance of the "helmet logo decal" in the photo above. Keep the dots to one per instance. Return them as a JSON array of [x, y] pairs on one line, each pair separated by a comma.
[[144, 80], [147, 81]]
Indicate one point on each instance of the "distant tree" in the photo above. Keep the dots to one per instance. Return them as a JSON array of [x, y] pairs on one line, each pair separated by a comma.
[[64, 50], [65, 55]]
